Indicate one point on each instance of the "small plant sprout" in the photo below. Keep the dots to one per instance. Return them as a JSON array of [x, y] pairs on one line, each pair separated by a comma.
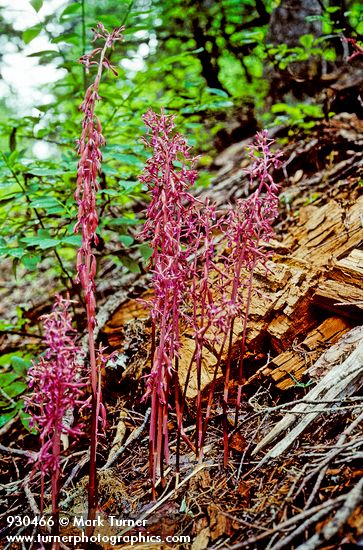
[[57, 388], [89, 166]]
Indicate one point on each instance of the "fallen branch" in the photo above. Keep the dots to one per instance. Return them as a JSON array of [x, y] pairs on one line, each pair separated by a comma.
[[325, 506], [19, 452], [339, 383], [352, 500], [134, 435]]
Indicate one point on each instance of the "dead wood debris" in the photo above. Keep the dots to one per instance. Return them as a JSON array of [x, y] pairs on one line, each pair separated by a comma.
[[341, 381]]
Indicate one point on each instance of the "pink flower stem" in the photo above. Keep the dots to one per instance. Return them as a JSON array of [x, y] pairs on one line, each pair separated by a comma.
[[89, 167], [212, 387], [243, 342], [56, 449]]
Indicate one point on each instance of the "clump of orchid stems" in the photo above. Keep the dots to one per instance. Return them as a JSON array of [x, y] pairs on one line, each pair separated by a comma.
[[248, 228], [89, 166], [192, 282], [168, 227], [57, 388]]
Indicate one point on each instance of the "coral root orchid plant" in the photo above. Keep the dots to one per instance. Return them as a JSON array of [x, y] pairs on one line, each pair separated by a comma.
[[57, 388], [195, 282], [168, 225], [198, 287], [89, 166], [248, 228]]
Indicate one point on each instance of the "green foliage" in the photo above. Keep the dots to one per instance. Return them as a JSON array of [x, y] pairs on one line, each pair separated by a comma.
[[195, 59], [284, 55], [13, 369], [303, 115]]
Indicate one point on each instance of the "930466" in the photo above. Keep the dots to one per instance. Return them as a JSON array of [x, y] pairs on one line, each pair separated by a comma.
[[26, 521]]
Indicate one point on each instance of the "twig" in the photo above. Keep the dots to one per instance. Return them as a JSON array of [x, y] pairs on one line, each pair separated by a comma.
[[301, 528], [266, 410], [30, 497], [7, 397], [323, 466], [242, 521], [19, 452], [161, 501], [76, 469], [352, 500], [326, 506], [134, 435], [8, 425]]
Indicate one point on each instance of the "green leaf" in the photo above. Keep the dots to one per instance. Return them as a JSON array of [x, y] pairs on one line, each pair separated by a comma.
[[128, 184], [30, 261], [109, 192], [124, 221], [109, 171], [6, 378], [126, 240], [15, 252], [20, 365], [44, 202], [70, 10], [131, 264], [109, 20], [42, 242], [145, 251], [306, 40], [15, 389], [45, 171], [74, 240], [69, 37], [45, 53], [128, 159], [37, 4], [4, 418], [30, 34], [217, 91], [25, 420]]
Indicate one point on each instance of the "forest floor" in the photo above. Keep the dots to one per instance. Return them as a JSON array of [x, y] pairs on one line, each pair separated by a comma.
[[294, 479]]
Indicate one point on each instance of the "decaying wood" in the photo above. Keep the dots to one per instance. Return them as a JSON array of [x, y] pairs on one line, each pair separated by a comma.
[[323, 270], [339, 382], [337, 353], [287, 369]]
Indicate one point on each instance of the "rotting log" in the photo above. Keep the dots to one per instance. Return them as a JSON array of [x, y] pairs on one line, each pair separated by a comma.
[[288, 367], [321, 272]]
